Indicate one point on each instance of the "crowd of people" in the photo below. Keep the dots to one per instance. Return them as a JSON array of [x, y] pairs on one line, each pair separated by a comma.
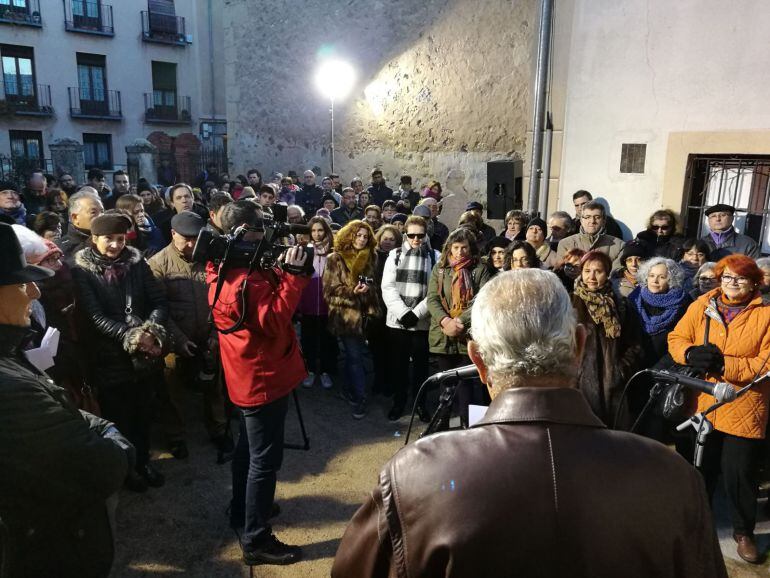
[[389, 281]]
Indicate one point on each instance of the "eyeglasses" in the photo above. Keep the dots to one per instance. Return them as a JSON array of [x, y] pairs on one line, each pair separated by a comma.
[[415, 235], [523, 261], [730, 279]]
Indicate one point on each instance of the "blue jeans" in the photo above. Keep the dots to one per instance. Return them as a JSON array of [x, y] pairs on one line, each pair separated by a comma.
[[355, 348], [257, 459]]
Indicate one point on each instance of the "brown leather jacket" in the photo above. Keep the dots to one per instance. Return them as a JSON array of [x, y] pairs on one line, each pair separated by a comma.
[[538, 488]]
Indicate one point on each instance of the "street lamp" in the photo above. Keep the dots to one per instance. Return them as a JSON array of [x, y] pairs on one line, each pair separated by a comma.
[[335, 79]]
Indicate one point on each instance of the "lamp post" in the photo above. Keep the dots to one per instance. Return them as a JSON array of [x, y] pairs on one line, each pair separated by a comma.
[[334, 79]]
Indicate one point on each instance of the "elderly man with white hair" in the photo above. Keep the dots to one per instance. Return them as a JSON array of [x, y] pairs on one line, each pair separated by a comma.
[[539, 487]]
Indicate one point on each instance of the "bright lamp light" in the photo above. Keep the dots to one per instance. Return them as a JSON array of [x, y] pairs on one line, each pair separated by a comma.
[[335, 79]]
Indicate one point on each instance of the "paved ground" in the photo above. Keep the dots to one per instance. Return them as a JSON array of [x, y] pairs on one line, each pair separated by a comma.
[[181, 529]]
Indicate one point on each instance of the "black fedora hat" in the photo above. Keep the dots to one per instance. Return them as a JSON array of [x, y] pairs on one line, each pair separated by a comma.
[[13, 266]]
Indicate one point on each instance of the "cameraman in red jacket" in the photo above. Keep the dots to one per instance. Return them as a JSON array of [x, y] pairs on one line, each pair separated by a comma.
[[263, 363]]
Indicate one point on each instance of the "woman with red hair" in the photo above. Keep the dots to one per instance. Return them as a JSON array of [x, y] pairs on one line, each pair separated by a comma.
[[725, 335], [612, 350]]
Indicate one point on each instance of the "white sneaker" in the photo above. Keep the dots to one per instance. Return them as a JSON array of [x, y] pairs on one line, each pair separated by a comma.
[[326, 381], [308, 381]]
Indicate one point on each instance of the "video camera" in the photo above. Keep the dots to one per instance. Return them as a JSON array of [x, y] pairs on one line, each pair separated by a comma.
[[231, 250]]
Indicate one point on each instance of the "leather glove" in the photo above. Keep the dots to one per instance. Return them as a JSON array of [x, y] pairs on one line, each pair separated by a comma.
[[409, 319], [706, 358]]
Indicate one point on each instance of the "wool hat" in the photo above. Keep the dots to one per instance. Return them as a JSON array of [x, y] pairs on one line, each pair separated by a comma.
[[187, 223], [422, 211], [35, 248], [474, 206], [538, 222], [14, 269], [398, 218], [111, 224], [720, 208], [633, 249]]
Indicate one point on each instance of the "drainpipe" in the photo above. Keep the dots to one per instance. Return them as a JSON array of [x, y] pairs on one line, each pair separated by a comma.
[[212, 66], [541, 81], [543, 204]]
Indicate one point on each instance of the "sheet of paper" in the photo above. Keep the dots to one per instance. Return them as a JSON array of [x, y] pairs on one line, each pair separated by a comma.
[[475, 413], [42, 357]]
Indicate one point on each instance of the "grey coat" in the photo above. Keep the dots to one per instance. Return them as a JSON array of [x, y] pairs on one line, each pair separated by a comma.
[[732, 242]]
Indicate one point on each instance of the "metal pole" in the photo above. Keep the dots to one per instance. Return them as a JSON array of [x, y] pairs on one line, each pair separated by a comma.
[[541, 81], [331, 148], [543, 201]]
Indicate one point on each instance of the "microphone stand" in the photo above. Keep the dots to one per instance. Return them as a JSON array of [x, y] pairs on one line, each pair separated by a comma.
[[703, 427], [440, 419]]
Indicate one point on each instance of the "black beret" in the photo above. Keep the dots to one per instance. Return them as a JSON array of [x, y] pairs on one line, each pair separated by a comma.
[[498, 243], [398, 218], [111, 224], [720, 208], [187, 223], [474, 206]]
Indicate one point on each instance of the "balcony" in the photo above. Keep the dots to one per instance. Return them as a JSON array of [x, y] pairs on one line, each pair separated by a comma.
[[95, 104], [26, 100], [163, 28], [88, 17], [23, 13], [164, 107]]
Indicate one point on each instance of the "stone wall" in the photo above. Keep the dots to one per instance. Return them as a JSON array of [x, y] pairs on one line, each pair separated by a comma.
[[443, 86]]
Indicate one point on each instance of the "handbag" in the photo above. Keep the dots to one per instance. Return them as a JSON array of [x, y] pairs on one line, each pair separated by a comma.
[[675, 399]]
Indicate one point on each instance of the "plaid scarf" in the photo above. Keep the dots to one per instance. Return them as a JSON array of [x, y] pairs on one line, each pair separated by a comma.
[[412, 274]]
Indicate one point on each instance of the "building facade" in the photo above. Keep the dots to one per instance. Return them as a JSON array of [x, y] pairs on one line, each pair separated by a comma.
[[661, 104], [105, 75]]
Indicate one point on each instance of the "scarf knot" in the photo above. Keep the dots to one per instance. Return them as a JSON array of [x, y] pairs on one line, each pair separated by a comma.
[[671, 303], [601, 307]]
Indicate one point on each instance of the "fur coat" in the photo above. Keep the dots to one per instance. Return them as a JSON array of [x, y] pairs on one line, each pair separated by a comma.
[[347, 310]]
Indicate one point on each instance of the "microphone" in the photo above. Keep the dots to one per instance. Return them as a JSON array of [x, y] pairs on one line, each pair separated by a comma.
[[464, 372], [722, 392]]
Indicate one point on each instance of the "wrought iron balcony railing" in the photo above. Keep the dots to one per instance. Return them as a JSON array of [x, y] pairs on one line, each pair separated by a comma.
[[163, 28], [95, 103]]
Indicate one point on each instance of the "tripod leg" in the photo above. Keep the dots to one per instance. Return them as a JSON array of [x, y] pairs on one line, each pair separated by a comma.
[[305, 439]]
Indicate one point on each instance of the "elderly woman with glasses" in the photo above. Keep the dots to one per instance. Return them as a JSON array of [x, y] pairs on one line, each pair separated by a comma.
[[704, 281], [725, 334], [515, 226]]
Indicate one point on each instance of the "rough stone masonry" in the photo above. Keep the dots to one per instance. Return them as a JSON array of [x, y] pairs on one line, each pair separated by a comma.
[[442, 87]]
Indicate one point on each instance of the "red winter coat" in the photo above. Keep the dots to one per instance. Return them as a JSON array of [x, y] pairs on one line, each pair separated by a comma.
[[262, 360]]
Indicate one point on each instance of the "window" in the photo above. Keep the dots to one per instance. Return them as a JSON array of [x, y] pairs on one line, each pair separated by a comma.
[[18, 73], [164, 85], [27, 144], [92, 83], [632, 157], [87, 13], [97, 151]]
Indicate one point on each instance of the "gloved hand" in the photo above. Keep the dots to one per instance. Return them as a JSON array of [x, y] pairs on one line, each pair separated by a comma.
[[706, 358], [409, 319]]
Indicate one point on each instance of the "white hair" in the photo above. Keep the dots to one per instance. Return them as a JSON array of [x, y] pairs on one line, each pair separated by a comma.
[[524, 325], [675, 273], [73, 204], [763, 262], [708, 266]]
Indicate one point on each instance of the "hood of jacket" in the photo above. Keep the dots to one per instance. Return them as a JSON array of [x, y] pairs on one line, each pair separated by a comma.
[[86, 259]]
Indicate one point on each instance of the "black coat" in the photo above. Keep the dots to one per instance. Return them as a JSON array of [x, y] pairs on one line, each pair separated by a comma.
[[102, 316], [57, 470], [378, 194], [670, 247], [309, 198]]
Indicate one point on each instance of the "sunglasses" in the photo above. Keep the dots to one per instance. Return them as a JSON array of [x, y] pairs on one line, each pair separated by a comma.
[[415, 235]]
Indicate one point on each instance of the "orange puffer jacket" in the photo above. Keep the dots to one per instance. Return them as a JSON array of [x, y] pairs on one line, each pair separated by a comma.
[[745, 343]]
